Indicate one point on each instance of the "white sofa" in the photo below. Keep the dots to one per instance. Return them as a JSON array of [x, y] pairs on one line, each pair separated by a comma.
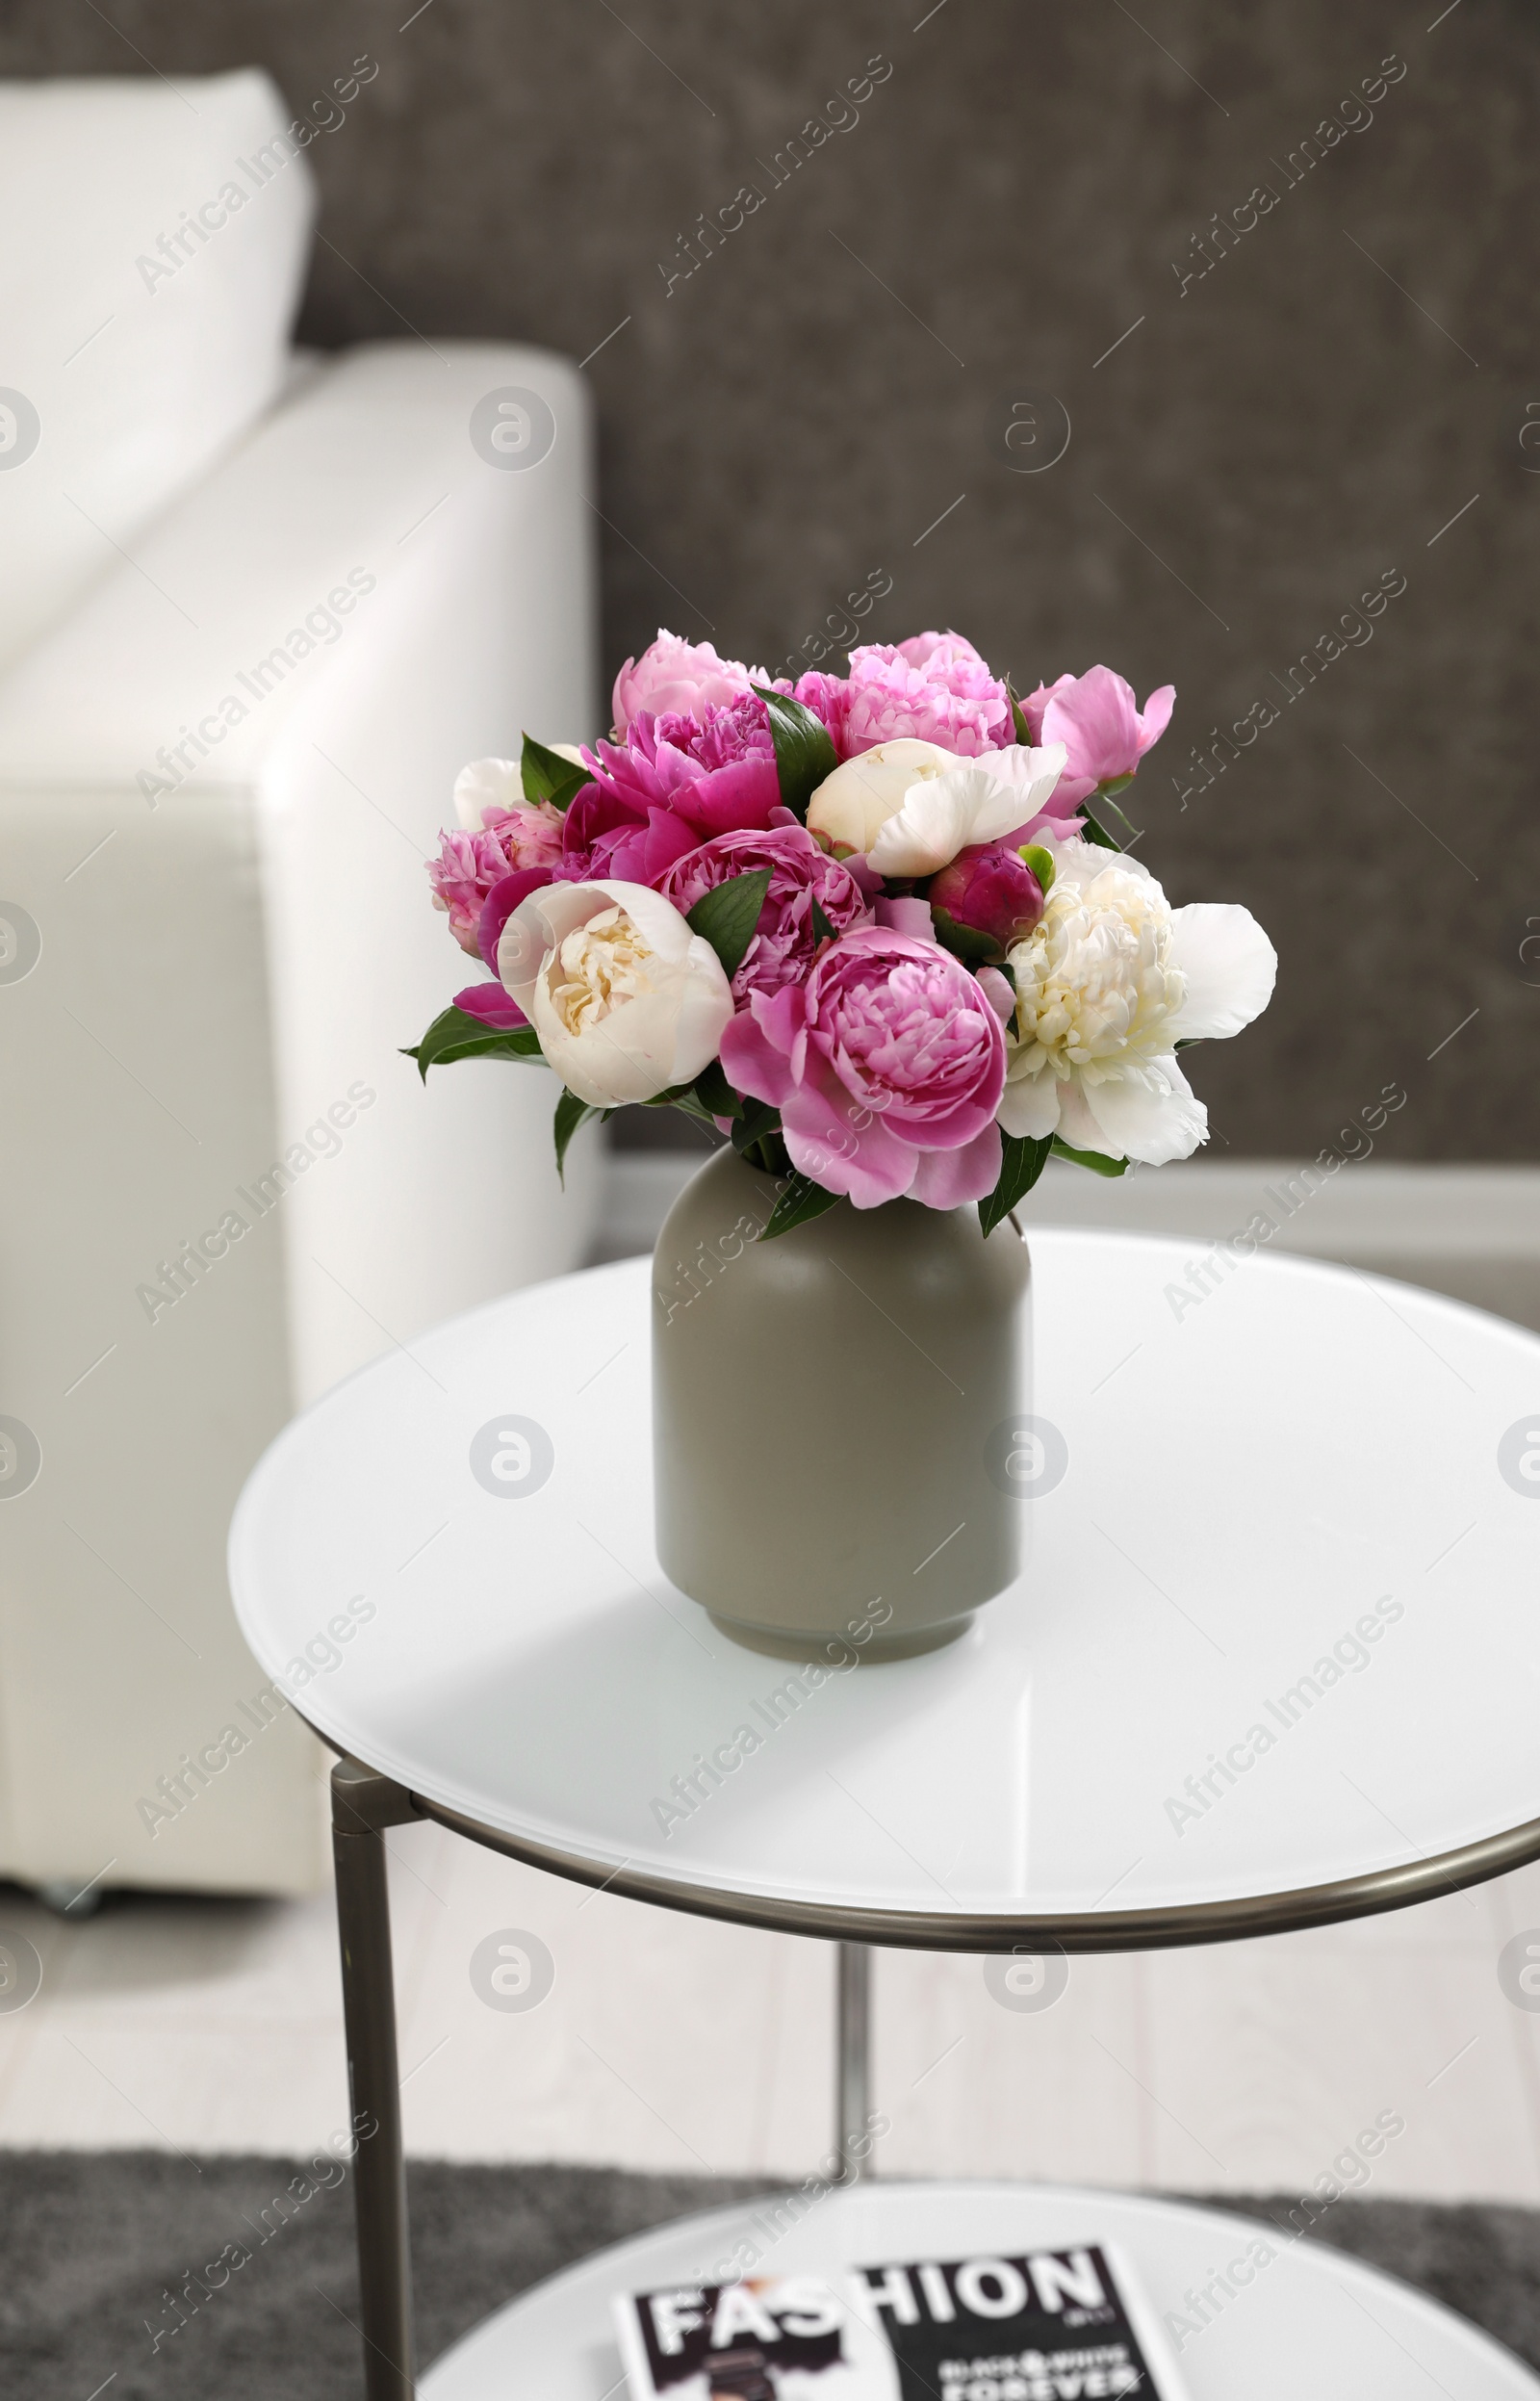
[[256, 612]]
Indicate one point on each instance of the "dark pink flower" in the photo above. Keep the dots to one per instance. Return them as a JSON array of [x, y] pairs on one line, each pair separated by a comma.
[[990, 889], [886, 1066], [470, 864], [499, 904], [784, 946], [933, 688], [672, 784], [1105, 733], [491, 1004]]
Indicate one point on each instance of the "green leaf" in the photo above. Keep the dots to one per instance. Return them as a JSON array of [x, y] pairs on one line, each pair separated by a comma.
[[727, 916], [1018, 719], [820, 923], [757, 1120], [1023, 1158], [770, 1153], [683, 1097], [714, 1092], [963, 942], [454, 1034], [548, 776], [1040, 863], [1096, 832], [1106, 800], [805, 755], [802, 1201], [1096, 1160], [570, 1113]]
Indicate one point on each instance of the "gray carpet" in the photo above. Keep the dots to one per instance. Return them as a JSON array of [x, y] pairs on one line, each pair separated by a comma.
[[90, 2242]]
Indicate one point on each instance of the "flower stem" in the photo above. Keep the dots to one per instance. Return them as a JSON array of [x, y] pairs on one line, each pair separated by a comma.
[[770, 1153]]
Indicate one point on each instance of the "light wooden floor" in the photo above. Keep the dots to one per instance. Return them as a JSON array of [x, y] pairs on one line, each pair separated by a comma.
[[672, 2043]]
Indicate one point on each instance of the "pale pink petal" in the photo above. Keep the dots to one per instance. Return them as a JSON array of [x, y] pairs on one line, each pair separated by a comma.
[[907, 915], [999, 992], [948, 1180], [868, 1162], [1156, 716], [1098, 725], [751, 1062]]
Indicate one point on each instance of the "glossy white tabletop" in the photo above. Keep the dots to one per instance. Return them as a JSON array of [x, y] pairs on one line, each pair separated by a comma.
[[1305, 1474], [1299, 2322]]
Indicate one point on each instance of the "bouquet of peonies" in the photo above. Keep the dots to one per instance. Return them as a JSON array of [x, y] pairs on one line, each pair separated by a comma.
[[876, 929]]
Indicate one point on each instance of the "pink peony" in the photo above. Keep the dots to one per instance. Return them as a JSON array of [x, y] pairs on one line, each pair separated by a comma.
[[933, 653], [1104, 733], [886, 1066], [785, 941], [828, 696], [673, 785], [683, 677], [469, 865], [990, 889], [933, 688]]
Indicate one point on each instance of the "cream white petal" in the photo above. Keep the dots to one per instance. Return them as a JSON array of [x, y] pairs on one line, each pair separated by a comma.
[[1148, 1113], [1076, 1125], [486, 784], [1030, 1106], [1030, 777], [628, 1056], [852, 804], [705, 1013], [978, 801], [539, 924], [931, 826], [1229, 966], [661, 1032], [661, 924], [546, 918], [1079, 862]]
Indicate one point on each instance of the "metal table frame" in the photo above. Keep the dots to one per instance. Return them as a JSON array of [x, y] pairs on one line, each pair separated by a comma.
[[364, 1803]]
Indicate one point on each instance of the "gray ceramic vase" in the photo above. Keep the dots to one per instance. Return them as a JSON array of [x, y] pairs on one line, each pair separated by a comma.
[[828, 1408]]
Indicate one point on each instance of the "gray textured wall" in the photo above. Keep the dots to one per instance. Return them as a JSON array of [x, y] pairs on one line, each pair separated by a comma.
[[1303, 419]]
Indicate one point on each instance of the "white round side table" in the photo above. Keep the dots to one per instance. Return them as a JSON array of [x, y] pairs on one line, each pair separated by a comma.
[[1310, 2325], [1274, 1659]]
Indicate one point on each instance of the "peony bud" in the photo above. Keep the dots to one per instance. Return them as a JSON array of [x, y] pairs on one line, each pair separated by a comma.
[[987, 891]]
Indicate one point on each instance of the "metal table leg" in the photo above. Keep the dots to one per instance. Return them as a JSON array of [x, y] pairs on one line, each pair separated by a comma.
[[363, 1805], [852, 2065]]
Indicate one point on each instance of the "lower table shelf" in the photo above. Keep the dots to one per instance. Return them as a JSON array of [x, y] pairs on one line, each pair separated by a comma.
[[1310, 2325]]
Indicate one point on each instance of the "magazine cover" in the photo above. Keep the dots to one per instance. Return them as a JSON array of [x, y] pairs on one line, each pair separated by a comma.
[[1068, 2325]]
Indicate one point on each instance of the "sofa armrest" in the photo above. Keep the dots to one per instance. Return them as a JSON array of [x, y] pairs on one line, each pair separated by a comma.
[[187, 662], [221, 1186]]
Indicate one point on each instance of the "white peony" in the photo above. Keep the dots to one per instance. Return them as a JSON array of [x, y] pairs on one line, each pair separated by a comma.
[[625, 999], [978, 800], [912, 806], [851, 805], [1106, 985]]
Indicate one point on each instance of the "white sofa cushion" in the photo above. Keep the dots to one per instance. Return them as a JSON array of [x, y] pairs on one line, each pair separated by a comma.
[[156, 245]]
